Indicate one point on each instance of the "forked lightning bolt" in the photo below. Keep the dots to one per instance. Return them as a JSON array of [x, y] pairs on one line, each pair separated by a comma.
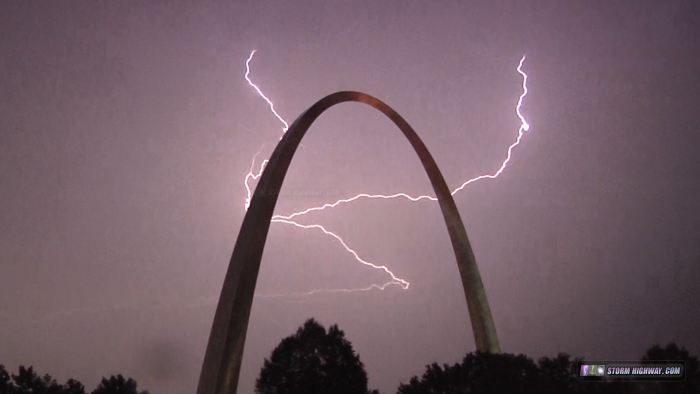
[[251, 175], [524, 126], [287, 219]]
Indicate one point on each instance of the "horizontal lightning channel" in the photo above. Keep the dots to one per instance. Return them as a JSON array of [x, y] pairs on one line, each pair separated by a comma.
[[331, 291], [251, 176], [394, 279], [287, 219], [524, 126]]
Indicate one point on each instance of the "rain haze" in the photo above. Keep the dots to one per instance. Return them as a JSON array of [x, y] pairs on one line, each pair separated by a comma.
[[128, 128]]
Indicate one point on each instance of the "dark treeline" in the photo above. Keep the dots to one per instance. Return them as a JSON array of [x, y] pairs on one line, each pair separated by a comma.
[[316, 361], [319, 361], [28, 381], [518, 374]]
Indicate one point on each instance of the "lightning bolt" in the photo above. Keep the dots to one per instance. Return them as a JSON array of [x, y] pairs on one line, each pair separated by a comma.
[[287, 219], [394, 279], [332, 291], [261, 94], [524, 127], [251, 176]]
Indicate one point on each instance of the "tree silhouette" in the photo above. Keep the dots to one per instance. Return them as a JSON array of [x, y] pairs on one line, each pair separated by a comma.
[[313, 361], [117, 385], [73, 386], [672, 352], [5, 383], [558, 374], [27, 381], [316, 361], [483, 373]]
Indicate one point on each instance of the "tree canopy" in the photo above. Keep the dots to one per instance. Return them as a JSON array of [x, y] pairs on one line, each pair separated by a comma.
[[484, 373], [313, 361], [478, 372], [27, 381], [117, 385]]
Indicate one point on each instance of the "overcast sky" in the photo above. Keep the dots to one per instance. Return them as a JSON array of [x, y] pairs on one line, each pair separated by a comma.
[[127, 128]]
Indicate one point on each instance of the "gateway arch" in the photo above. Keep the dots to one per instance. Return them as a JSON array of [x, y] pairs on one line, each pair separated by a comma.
[[224, 353]]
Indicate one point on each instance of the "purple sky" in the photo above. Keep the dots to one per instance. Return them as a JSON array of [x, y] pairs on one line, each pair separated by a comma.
[[127, 128]]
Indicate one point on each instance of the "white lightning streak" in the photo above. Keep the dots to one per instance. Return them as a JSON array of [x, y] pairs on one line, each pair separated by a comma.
[[394, 279], [261, 94], [524, 126], [329, 291], [287, 219], [250, 176]]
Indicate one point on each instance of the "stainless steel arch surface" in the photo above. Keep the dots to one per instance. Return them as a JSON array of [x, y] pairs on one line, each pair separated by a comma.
[[222, 360]]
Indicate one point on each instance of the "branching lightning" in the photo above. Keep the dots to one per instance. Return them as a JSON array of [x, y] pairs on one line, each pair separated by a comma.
[[287, 219], [251, 176], [394, 279], [524, 126]]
